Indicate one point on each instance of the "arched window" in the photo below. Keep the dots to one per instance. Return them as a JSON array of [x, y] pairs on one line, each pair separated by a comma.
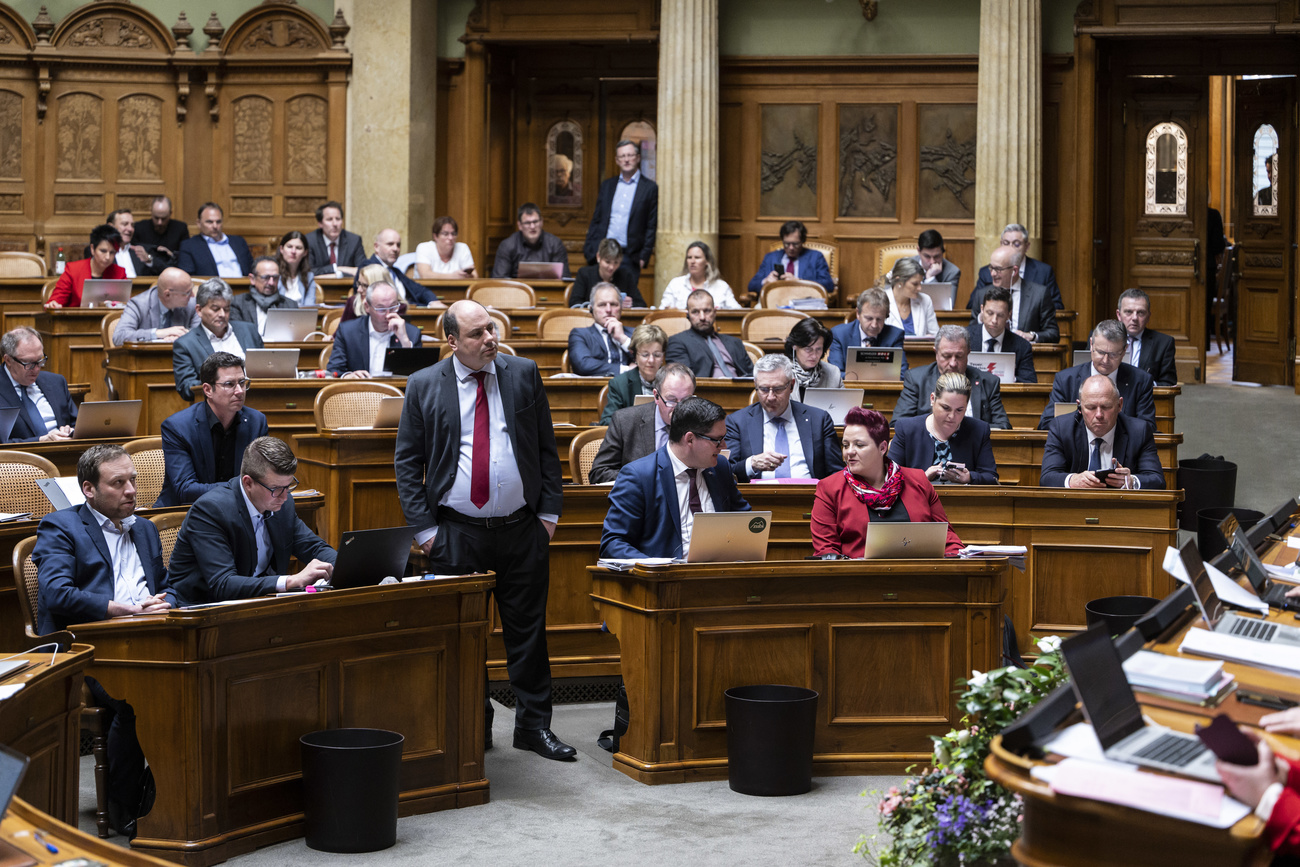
[[1166, 175], [1263, 187]]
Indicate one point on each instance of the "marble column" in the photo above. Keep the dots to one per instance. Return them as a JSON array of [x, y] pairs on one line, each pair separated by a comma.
[[1009, 141], [687, 170]]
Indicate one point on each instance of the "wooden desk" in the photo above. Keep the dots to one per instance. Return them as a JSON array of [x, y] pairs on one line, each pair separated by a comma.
[[23, 819], [222, 695], [72, 341], [881, 642]]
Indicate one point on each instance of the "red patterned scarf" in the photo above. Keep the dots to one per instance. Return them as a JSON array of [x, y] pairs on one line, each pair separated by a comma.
[[881, 499]]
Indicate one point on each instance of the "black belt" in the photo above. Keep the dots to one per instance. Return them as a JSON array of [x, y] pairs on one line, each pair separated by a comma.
[[448, 514]]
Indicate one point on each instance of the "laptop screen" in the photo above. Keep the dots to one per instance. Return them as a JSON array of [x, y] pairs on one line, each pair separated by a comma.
[[1249, 560], [1100, 685], [1206, 599]]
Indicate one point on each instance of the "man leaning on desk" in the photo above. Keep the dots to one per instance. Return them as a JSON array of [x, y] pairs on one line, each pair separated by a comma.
[[160, 315], [361, 345]]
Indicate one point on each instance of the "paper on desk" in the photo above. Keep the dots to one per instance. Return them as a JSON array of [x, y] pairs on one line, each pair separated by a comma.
[[1217, 645], [1293, 541], [9, 689], [624, 564], [1283, 573], [994, 551], [1232, 593], [1189, 800], [1173, 564], [1078, 741]]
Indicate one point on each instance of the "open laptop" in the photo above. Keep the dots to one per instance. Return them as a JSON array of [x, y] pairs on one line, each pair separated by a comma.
[[836, 402], [62, 492], [289, 324], [1097, 675], [8, 417], [942, 294], [367, 557], [873, 364], [1272, 592], [1063, 408], [642, 399], [271, 363], [1000, 364], [390, 412], [1216, 616], [541, 270], [728, 537], [105, 293], [405, 360], [906, 540], [1082, 356], [108, 418]]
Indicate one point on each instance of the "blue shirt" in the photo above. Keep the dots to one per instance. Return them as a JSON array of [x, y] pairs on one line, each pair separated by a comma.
[[224, 255], [621, 209]]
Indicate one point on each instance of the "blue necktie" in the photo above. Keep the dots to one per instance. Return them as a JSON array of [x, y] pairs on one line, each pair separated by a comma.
[[1094, 461], [782, 444], [34, 417]]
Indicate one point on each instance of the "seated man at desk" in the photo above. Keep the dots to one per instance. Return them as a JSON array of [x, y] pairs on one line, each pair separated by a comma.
[[263, 294], [47, 412], [989, 333], [930, 256], [204, 445], [1107, 348], [216, 333], [642, 521], [950, 446], [702, 348], [1031, 270], [528, 244], [793, 261], [160, 315], [1033, 315], [360, 344], [1098, 437], [1146, 348], [334, 250], [609, 259], [780, 438], [160, 234], [388, 247], [951, 350], [213, 253], [237, 538], [869, 329], [602, 348], [636, 431]]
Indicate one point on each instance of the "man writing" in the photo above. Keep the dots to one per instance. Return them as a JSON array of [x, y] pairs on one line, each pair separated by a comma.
[[602, 348], [627, 210], [360, 345], [780, 438], [1098, 447], [528, 244], [702, 348], [636, 431], [160, 315]]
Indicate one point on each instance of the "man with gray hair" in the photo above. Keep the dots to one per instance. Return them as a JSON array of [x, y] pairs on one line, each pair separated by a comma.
[[216, 333], [780, 438], [263, 294], [360, 345], [603, 348], [1016, 236], [627, 210], [162, 314], [1107, 346], [951, 349], [45, 408]]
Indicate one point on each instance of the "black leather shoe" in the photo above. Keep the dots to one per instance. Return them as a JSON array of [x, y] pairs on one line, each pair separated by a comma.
[[544, 743]]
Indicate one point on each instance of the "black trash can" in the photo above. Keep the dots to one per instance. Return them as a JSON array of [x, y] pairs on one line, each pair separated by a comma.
[[770, 739], [1206, 483], [1119, 613], [1209, 541], [349, 789]]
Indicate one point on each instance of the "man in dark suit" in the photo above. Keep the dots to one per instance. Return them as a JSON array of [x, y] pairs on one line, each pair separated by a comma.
[[238, 538], [1107, 347], [216, 333], [636, 431], [45, 408], [779, 437], [608, 269], [333, 248], [990, 333], [627, 210], [937, 269], [501, 514], [951, 351], [388, 246], [1031, 270], [263, 294], [702, 348], [602, 348], [360, 344], [1099, 437], [796, 261], [161, 235], [1032, 315], [869, 329], [161, 314], [213, 253], [1145, 348], [645, 517], [204, 445], [135, 259]]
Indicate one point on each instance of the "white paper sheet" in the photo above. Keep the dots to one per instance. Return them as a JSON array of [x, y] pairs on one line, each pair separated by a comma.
[[1114, 783], [1232, 593], [1217, 645]]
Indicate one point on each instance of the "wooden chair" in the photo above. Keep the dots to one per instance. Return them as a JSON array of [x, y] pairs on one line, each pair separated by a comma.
[[887, 255], [601, 400], [564, 362], [671, 321], [764, 325], [169, 527], [350, 404], [508, 294], [17, 264], [325, 354], [753, 397], [47, 290], [504, 328], [568, 292], [330, 322], [18, 489], [107, 326], [831, 252], [781, 292], [556, 324], [753, 351], [150, 470], [582, 451]]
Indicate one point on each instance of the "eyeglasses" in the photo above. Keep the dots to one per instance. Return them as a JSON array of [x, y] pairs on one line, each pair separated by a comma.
[[717, 441], [1110, 355], [268, 278], [530, 224], [1002, 269], [789, 244], [772, 389], [650, 356], [232, 384], [279, 490], [388, 309], [32, 365], [666, 402]]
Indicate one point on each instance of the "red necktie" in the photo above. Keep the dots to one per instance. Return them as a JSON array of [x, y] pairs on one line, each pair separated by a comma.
[[478, 477], [333, 258]]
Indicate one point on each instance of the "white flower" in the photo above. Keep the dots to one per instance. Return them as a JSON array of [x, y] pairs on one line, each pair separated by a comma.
[[977, 678], [1050, 644]]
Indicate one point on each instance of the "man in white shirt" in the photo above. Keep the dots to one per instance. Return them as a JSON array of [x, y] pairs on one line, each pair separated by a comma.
[[135, 260], [360, 344], [1033, 316], [216, 333], [46, 411]]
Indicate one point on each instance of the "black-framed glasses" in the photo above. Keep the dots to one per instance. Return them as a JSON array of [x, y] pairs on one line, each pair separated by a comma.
[[32, 365], [279, 490], [668, 403], [717, 441]]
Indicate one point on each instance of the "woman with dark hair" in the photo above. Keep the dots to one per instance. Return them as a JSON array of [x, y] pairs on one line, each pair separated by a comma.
[[445, 257], [294, 259], [699, 271], [871, 487], [104, 244], [950, 446], [806, 344]]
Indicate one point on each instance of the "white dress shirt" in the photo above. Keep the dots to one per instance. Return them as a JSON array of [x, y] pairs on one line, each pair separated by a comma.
[[123, 258], [38, 398], [263, 538], [292, 288], [985, 337], [684, 498], [129, 587], [798, 466], [229, 343], [379, 343], [224, 255], [1107, 455]]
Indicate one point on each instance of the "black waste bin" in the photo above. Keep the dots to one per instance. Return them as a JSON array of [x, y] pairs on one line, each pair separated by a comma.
[[349, 789], [1119, 613], [770, 739], [1206, 483], [1209, 541]]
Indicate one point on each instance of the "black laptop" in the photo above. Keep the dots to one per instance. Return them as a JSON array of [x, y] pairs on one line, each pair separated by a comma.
[[405, 360], [367, 557]]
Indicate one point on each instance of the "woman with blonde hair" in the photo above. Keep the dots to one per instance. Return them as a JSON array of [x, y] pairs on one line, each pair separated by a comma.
[[699, 271]]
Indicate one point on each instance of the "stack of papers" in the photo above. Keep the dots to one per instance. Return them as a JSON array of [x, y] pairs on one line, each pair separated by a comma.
[[1014, 553], [623, 565], [1189, 680], [1218, 645]]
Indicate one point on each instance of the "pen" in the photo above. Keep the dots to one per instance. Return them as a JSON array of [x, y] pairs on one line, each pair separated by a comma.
[[49, 847]]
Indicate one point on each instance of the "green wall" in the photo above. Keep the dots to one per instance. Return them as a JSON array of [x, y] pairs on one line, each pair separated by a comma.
[[837, 28], [451, 26]]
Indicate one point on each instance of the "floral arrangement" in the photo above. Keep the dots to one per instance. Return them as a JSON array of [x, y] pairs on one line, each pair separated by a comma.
[[951, 813]]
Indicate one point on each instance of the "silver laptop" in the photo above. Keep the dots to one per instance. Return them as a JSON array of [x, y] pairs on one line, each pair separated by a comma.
[[105, 293], [540, 270], [1000, 364], [8, 417], [1083, 356], [289, 325], [1218, 618], [642, 399], [271, 363], [906, 540], [836, 402], [1063, 408], [390, 412], [107, 418], [874, 364], [942, 294], [63, 492], [727, 537]]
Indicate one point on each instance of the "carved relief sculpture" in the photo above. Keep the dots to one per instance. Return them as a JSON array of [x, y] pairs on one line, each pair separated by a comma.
[[788, 162], [251, 153], [11, 135], [80, 136], [110, 33], [946, 180], [305, 136], [868, 165], [139, 138]]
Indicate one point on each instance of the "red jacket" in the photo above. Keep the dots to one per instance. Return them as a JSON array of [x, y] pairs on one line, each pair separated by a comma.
[[68, 290], [839, 519], [1283, 828]]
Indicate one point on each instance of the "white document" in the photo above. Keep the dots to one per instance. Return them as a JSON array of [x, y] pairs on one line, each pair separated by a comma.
[[62, 492], [9, 689], [1293, 541], [1158, 670], [994, 551], [1283, 573], [1232, 593], [1115, 783], [1173, 564], [1217, 645], [624, 564]]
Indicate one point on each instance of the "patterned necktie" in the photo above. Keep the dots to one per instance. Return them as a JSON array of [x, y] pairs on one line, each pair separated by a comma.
[[1094, 460], [782, 444], [720, 356], [694, 503], [478, 479]]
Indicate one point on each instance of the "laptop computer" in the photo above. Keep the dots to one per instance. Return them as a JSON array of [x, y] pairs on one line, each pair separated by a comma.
[[63, 492], [906, 540], [835, 402], [727, 537], [1082, 356], [1000, 364], [874, 364], [1060, 409], [942, 294], [405, 360], [1216, 616], [289, 325], [8, 417], [1109, 705], [366, 557], [642, 399], [271, 363], [108, 418], [105, 293], [1272, 592], [390, 412], [540, 270]]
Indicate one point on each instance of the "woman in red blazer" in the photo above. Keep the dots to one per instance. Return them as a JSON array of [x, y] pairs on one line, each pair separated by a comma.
[[870, 488], [104, 244]]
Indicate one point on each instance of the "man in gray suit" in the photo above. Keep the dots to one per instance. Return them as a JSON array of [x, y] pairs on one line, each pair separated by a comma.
[[636, 431], [216, 333], [1033, 315], [937, 269], [160, 315], [951, 349]]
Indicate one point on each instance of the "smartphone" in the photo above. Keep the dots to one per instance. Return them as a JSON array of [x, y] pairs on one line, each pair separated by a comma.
[[1102, 475], [779, 269], [1226, 741]]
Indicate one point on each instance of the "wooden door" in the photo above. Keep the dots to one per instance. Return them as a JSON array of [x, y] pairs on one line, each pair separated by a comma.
[[1265, 180]]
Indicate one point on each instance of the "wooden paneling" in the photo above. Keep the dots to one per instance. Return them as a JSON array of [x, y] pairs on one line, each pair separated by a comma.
[[746, 654], [915, 653]]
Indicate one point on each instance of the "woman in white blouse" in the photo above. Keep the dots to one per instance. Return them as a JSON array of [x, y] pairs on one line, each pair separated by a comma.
[[909, 308], [296, 282], [444, 258], [700, 271]]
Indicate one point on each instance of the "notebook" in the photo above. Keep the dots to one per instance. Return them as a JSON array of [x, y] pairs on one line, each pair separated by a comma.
[[873, 364], [105, 293], [289, 325], [942, 294], [366, 557], [271, 363], [107, 418], [540, 270], [726, 537], [1000, 364], [835, 402], [906, 540]]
